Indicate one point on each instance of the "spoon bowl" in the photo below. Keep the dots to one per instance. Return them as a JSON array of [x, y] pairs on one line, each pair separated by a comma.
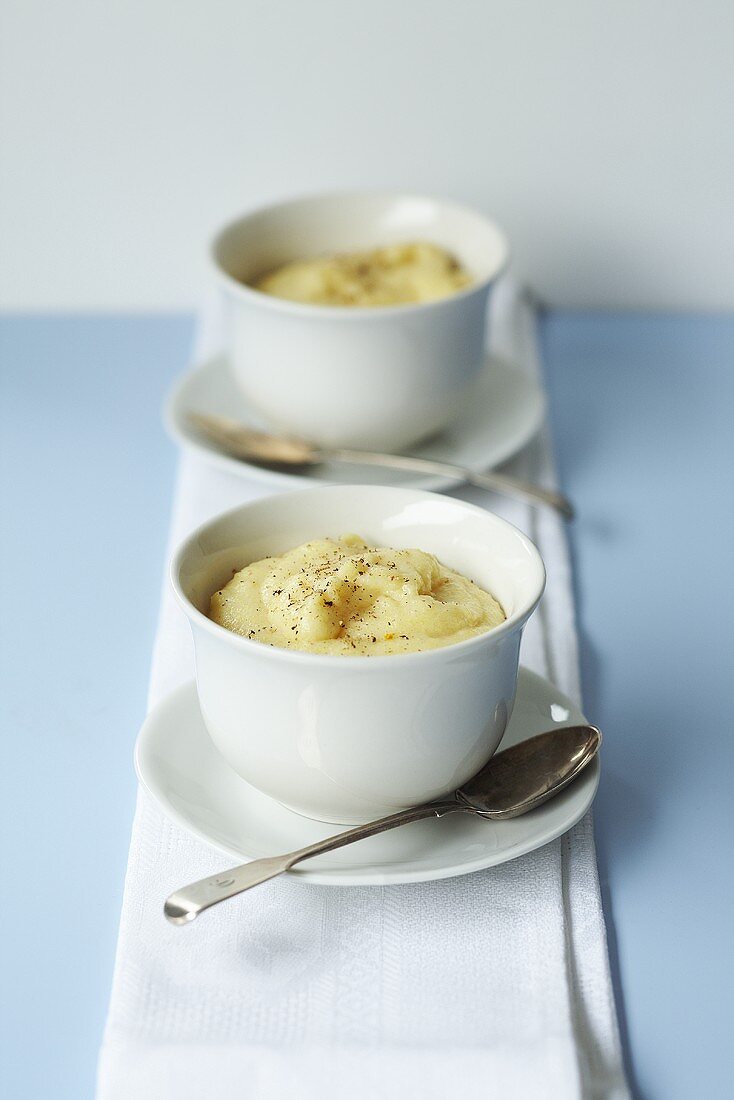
[[523, 777]]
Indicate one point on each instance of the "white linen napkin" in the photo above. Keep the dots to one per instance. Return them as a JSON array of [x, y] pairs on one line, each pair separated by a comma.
[[497, 982]]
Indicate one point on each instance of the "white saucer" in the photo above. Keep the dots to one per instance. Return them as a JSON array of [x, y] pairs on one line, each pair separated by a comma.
[[178, 764], [506, 412]]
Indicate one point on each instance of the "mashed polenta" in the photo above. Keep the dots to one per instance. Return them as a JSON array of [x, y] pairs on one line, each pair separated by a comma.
[[343, 597], [399, 274]]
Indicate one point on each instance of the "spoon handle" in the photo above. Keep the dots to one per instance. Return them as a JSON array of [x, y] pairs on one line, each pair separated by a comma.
[[185, 904], [498, 483]]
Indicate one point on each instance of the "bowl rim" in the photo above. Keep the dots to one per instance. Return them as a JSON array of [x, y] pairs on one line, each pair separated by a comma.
[[351, 313], [511, 624]]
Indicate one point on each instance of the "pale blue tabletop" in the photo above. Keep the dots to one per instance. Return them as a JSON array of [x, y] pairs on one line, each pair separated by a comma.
[[641, 409]]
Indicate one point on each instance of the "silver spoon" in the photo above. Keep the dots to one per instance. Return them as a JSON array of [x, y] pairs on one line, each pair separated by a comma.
[[273, 450], [513, 782]]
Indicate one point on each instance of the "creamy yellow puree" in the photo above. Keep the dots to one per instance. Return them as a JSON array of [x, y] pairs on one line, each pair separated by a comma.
[[342, 596], [399, 274]]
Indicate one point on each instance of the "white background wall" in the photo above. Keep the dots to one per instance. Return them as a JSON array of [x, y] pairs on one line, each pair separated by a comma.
[[601, 135]]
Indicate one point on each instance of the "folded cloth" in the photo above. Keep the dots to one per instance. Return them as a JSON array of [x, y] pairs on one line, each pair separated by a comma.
[[496, 982]]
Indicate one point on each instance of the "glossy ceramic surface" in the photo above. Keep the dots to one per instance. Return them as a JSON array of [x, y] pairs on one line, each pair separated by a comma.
[[195, 787], [348, 739], [373, 378], [506, 412]]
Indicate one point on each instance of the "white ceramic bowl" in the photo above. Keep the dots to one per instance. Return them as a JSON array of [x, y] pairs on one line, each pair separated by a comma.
[[346, 376], [346, 739]]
